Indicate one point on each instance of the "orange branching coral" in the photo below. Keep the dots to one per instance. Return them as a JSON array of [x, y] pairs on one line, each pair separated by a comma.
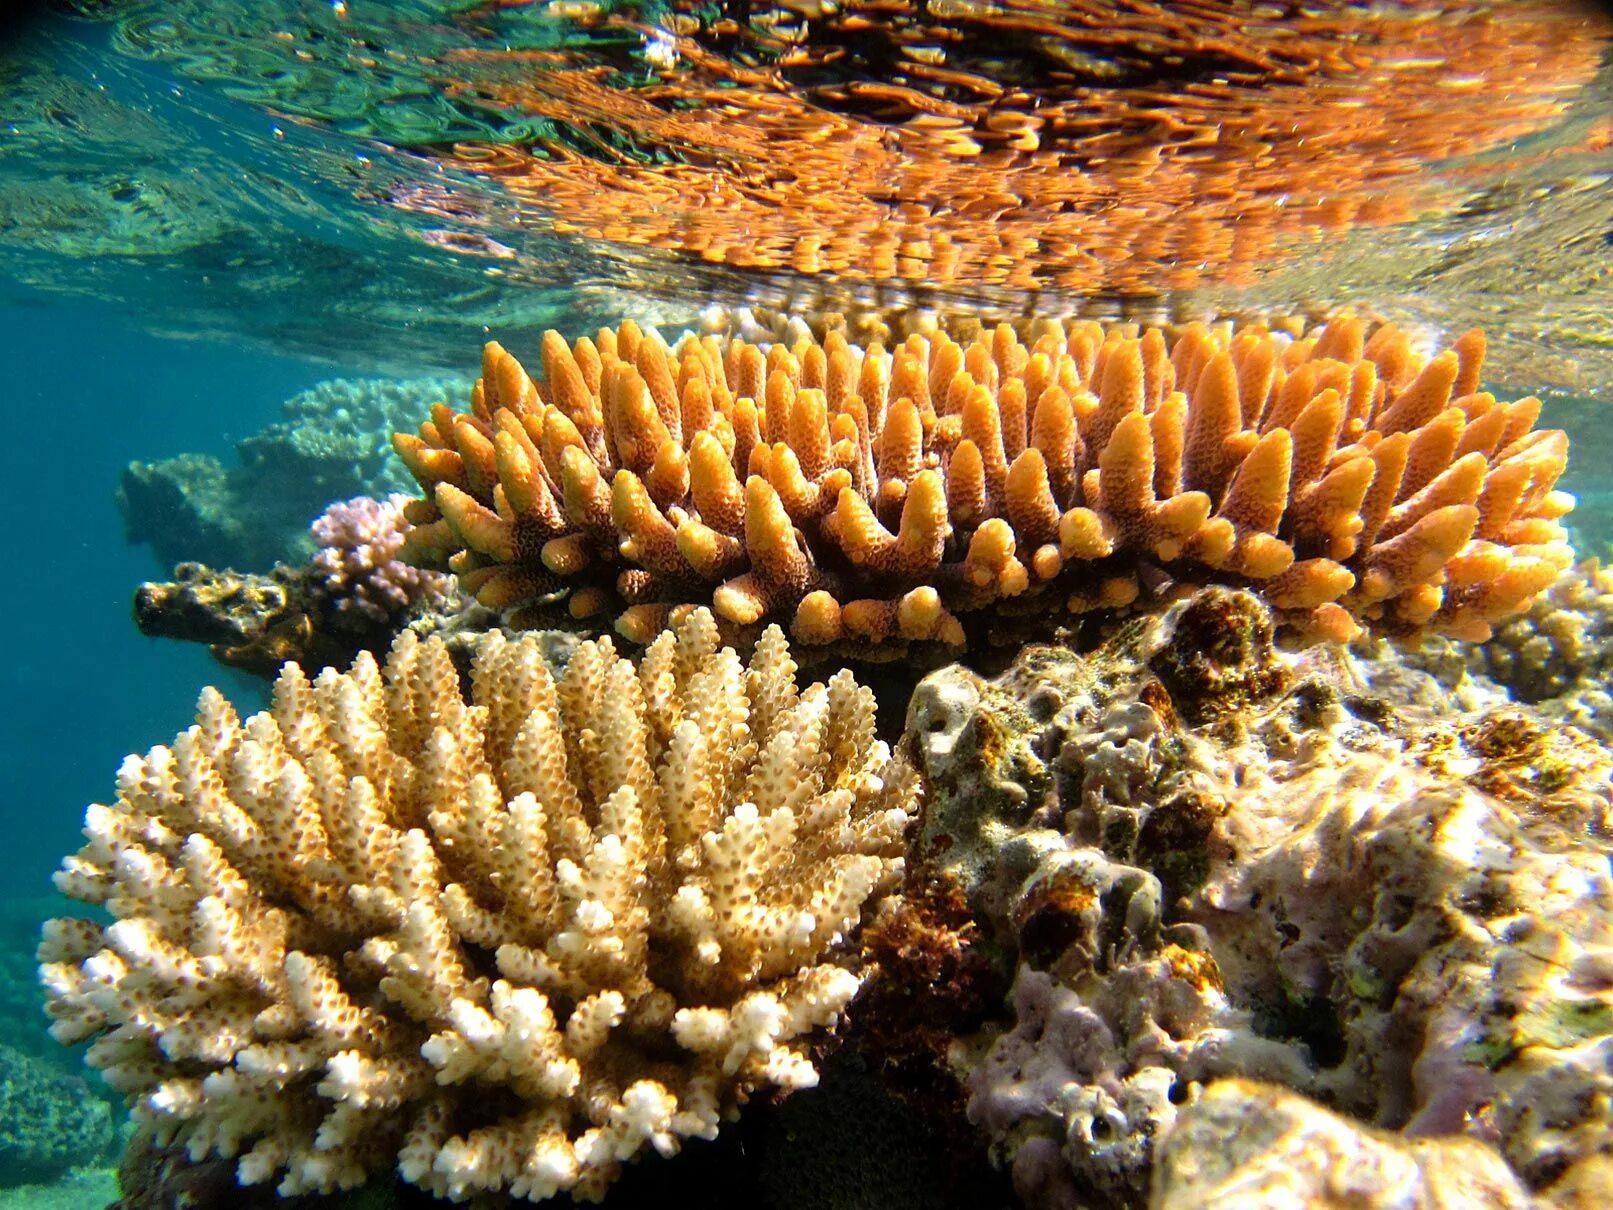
[[870, 496]]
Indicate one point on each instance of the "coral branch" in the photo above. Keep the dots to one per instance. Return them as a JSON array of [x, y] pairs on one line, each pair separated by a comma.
[[503, 944]]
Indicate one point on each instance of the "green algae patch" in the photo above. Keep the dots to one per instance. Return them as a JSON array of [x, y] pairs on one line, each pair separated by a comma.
[[1563, 1024]]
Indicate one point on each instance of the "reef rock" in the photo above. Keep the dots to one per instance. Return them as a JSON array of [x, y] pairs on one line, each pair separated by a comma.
[[1250, 1146], [353, 595], [1206, 858]]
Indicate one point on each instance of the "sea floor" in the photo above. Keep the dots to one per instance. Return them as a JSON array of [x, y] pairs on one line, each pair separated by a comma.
[[77, 1190]]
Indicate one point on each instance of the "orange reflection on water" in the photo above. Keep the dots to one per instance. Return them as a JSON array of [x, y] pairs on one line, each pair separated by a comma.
[[1083, 147]]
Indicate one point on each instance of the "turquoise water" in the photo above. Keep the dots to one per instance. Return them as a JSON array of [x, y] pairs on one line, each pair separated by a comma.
[[82, 686], [185, 245]]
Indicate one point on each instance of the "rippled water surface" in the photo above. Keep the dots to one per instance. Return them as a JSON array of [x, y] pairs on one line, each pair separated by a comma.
[[376, 183]]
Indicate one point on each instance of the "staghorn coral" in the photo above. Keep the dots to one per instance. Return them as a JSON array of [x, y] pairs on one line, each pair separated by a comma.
[[503, 945], [874, 497], [1396, 906]]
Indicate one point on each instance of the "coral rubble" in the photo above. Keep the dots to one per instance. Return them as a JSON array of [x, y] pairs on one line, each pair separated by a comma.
[[332, 444], [875, 497], [1400, 910], [504, 945]]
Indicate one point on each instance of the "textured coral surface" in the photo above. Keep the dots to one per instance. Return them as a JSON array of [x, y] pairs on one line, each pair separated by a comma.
[[357, 565], [872, 497], [500, 945], [1251, 1146], [1338, 882]]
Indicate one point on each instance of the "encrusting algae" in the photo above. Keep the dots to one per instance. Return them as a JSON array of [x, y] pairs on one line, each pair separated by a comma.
[[503, 945], [868, 497]]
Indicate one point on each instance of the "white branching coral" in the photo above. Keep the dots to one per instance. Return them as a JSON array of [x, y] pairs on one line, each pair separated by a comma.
[[503, 945]]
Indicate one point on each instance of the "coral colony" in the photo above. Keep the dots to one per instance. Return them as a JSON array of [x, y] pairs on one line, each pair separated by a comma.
[[510, 923], [874, 495], [656, 859]]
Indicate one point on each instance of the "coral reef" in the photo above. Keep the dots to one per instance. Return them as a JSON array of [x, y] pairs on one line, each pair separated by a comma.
[[183, 508], [503, 945], [332, 444], [49, 1122], [1392, 906], [1250, 1146], [1559, 655], [337, 432], [875, 498]]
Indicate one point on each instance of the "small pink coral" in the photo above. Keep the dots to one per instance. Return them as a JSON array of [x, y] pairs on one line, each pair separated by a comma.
[[359, 540]]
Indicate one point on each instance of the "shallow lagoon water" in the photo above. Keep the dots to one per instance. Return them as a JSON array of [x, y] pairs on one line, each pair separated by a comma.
[[185, 247]]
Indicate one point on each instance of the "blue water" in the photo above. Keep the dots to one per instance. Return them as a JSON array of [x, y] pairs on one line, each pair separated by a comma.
[[89, 391]]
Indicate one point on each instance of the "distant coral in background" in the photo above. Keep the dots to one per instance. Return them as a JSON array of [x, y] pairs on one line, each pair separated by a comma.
[[332, 444], [869, 497], [1210, 859], [49, 1121], [358, 567], [353, 595], [504, 945], [184, 508]]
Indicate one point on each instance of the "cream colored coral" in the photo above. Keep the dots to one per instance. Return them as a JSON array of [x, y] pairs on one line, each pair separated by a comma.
[[502, 945]]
